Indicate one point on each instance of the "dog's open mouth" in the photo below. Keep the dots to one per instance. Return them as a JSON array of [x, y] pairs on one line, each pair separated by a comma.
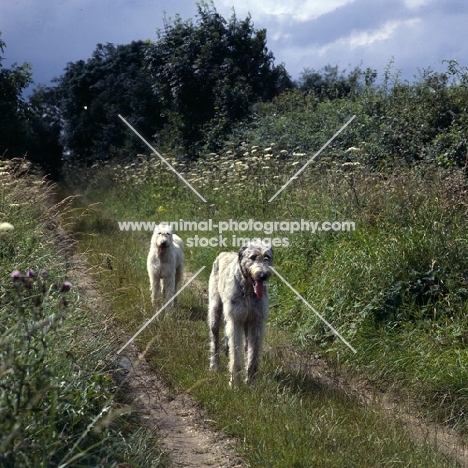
[[162, 249], [259, 288]]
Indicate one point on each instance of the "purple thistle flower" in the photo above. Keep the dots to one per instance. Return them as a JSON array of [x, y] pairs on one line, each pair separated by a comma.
[[16, 275], [44, 274], [31, 273], [66, 285]]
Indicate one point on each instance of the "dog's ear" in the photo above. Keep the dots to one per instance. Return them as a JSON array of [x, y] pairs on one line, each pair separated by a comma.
[[241, 252]]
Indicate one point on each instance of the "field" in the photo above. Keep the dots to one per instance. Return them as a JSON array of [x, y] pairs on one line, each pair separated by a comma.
[[366, 352], [393, 288]]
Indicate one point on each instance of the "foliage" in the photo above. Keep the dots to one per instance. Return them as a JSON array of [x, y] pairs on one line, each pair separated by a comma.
[[29, 128], [397, 122], [13, 109], [329, 83], [45, 128], [207, 74], [91, 94], [57, 397]]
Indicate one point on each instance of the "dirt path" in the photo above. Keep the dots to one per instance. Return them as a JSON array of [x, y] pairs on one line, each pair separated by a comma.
[[182, 426]]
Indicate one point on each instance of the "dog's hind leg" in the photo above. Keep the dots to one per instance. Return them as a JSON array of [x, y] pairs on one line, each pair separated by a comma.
[[215, 313]]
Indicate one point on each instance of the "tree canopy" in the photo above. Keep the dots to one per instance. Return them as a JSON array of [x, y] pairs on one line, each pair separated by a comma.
[[13, 108], [91, 95], [207, 73]]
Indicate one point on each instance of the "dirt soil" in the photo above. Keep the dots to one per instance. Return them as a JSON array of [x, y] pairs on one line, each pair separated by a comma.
[[183, 427]]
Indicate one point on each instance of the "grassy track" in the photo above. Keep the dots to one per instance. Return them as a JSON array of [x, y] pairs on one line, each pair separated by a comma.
[[359, 280]]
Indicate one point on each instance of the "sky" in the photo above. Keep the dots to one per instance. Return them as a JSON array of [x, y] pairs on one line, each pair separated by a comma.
[[408, 35]]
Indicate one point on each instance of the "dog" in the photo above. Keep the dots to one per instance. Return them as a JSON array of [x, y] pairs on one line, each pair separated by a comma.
[[165, 263], [238, 294]]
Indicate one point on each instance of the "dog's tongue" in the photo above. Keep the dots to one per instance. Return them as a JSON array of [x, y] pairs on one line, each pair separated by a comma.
[[259, 288], [162, 249]]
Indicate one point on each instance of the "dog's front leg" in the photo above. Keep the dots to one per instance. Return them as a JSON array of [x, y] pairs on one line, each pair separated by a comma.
[[255, 334], [154, 288], [168, 288], [234, 333]]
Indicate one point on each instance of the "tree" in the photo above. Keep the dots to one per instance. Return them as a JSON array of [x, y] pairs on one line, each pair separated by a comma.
[[45, 127], [92, 94], [13, 108], [208, 73], [330, 83]]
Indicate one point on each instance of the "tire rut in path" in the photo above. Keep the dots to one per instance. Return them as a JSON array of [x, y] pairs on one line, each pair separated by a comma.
[[184, 432]]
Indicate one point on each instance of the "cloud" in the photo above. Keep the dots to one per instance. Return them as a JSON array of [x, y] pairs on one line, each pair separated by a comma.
[[297, 10], [301, 33], [366, 38]]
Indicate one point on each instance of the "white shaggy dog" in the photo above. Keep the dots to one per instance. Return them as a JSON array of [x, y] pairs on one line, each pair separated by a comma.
[[237, 293], [165, 263]]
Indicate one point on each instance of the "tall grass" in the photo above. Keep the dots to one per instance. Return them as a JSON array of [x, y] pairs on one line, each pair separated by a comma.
[[395, 288], [57, 405]]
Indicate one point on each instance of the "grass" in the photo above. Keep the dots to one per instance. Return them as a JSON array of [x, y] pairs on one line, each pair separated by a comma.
[[394, 288], [57, 403]]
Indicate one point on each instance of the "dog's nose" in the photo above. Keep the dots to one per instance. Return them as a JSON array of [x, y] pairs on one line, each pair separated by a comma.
[[163, 244], [263, 276]]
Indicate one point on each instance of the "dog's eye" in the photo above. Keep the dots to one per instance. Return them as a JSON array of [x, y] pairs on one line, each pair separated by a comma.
[[253, 257], [266, 257]]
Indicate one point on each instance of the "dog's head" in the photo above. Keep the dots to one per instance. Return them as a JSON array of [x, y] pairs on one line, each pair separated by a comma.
[[162, 237], [255, 260]]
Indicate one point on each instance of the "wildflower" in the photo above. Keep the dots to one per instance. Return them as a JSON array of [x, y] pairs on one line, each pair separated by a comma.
[[16, 275], [31, 273], [353, 149], [6, 227], [66, 286]]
